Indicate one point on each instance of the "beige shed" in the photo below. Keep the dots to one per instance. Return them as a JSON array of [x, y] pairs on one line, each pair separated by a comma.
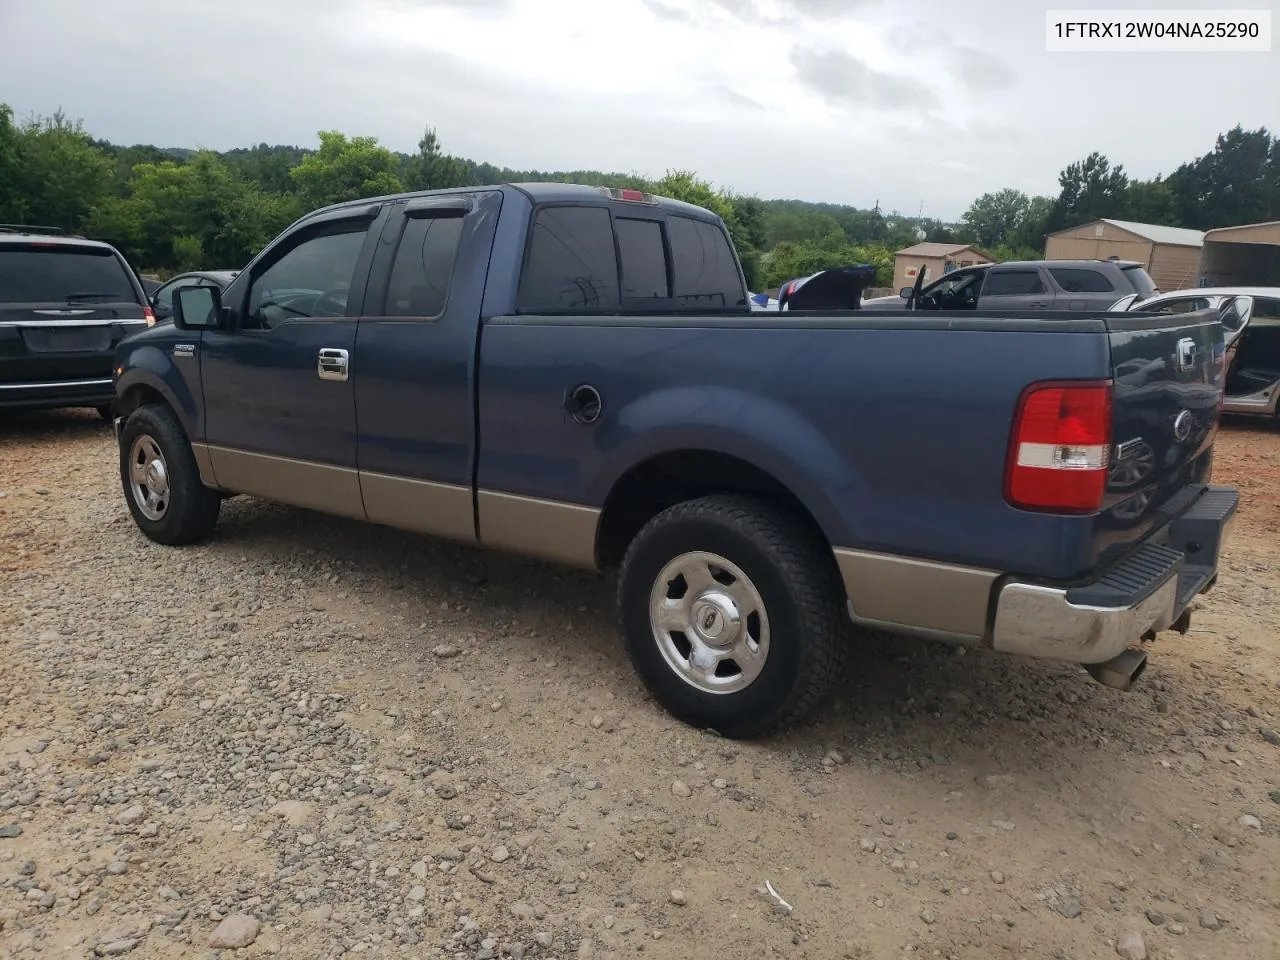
[[1170, 254], [936, 258]]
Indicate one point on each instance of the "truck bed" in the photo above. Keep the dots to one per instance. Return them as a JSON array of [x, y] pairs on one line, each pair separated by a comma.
[[901, 421]]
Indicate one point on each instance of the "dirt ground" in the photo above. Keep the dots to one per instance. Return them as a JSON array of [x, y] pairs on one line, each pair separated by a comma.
[[323, 738]]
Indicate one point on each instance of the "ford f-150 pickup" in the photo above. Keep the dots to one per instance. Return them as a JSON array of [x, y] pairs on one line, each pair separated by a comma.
[[576, 374]]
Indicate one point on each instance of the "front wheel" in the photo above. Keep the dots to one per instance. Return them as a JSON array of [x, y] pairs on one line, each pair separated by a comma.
[[161, 481], [733, 614]]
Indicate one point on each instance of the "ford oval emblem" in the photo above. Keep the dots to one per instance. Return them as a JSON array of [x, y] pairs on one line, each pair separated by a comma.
[[1182, 425]]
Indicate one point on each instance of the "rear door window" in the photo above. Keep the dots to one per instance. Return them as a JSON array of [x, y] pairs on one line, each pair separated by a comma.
[[704, 266], [1012, 283], [63, 274], [1078, 280], [423, 268], [644, 259], [571, 263]]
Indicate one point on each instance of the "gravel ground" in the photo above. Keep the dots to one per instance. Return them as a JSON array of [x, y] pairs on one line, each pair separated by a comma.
[[311, 738]]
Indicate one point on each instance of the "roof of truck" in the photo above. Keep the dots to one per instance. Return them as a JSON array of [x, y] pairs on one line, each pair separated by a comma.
[[538, 192]]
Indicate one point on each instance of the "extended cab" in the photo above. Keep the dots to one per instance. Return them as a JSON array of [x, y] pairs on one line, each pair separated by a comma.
[[576, 374]]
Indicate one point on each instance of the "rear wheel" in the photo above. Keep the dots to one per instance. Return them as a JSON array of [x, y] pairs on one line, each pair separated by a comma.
[[161, 481], [733, 614]]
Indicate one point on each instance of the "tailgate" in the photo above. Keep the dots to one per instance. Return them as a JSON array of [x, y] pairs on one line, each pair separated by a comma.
[[1168, 371]]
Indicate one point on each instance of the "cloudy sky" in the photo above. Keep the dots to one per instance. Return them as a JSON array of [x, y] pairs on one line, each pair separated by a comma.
[[853, 101]]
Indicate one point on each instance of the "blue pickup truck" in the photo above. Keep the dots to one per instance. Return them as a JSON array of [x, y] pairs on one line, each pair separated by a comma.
[[576, 374]]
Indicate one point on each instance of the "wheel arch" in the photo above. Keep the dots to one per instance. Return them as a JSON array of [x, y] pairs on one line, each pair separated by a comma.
[[676, 476]]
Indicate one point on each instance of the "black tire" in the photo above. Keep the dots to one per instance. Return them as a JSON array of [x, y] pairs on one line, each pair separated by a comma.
[[190, 508], [792, 572], [105, 412]]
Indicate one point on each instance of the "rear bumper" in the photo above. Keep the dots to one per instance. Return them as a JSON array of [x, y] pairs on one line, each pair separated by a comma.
[[89, 392], [1091, 623], [1146, 593]]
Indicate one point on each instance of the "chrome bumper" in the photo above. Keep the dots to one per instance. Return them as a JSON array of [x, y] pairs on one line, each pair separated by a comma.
[[1036, 621], [1149, 592]]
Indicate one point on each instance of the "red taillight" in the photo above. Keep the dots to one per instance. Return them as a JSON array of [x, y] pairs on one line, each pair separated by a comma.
[[149, 315], [1060, 448]]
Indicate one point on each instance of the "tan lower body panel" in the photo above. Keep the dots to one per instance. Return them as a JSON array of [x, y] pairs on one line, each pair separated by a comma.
[[561, 532], [316, 486], [204, 463], [437, 509], [939, 600], [547, 529]]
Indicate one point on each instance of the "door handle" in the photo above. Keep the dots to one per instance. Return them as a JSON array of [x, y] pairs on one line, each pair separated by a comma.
[[332, 363]]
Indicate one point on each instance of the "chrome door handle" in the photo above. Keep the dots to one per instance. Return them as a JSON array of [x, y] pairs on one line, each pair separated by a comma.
[[332, 363]]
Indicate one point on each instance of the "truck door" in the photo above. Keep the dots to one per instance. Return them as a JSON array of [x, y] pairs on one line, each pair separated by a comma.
[[416, 346], [279, 407]]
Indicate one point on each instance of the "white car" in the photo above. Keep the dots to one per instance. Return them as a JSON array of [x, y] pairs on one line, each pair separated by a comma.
[[1253, 366]]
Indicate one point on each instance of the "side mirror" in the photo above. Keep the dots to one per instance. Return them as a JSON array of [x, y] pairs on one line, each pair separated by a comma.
[[160, 310], [1235, 315], [196, 308], [905, 293]]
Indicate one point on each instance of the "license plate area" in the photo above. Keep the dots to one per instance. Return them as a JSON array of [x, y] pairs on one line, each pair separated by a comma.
[[67, 339]]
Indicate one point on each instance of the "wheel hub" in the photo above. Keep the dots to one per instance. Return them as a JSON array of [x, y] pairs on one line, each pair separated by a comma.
[[148, 477], [715, 618], [709, 622], [157, 478]]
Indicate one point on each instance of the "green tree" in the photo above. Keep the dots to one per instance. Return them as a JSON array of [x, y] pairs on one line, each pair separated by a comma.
[[267, 166], [12, 203], [61, 174], [432, 169], [1150, 201], [1236, 182], [196, 214], [1091, 189], [993, 218], [345, 169], [1028, 236]]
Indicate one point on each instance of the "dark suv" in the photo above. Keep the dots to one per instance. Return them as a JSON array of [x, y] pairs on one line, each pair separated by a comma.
[[65, 302]]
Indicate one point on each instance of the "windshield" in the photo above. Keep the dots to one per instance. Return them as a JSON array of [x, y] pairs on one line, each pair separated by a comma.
[[34, 274]]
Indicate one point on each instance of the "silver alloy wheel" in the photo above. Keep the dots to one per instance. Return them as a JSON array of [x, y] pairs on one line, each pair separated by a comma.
[[709, 622], [148, 477]]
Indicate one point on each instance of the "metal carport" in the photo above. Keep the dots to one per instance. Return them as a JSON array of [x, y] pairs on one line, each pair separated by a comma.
[[1247, 256]]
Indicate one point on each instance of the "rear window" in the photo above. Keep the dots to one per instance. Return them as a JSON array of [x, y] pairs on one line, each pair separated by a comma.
[[1143, 285], [1077, 280], [706, 271], [571, 263], [644, 259], [30, 274]]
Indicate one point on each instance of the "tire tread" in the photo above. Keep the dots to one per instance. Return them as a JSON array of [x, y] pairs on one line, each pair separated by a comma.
[[801, 559], [193, 507]]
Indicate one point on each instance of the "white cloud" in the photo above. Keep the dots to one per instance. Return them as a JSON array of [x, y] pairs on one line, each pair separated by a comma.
[[841, 100]]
